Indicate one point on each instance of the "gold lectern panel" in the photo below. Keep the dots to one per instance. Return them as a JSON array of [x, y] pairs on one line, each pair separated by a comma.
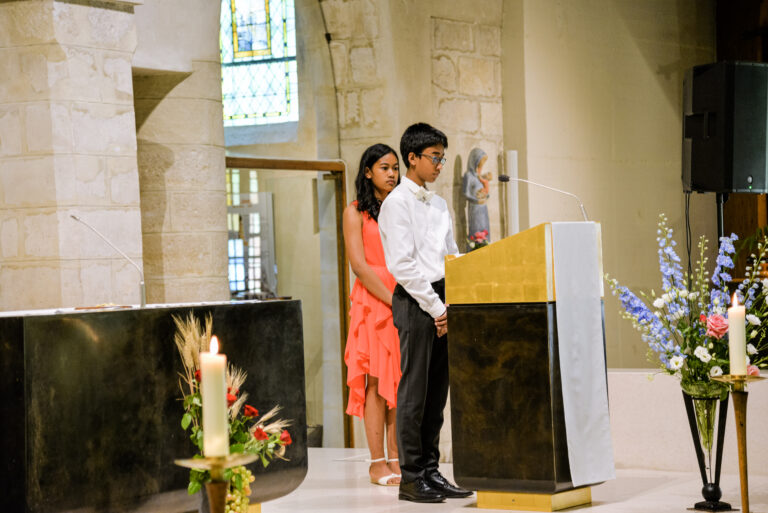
[[517, 269]]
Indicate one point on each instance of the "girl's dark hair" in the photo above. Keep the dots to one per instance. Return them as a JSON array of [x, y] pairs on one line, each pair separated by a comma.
[[366, 199]]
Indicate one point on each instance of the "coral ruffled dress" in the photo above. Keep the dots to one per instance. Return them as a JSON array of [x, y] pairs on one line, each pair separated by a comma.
[[373, 346]]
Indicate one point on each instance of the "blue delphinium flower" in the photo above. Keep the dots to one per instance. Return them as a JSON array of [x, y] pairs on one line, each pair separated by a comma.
[[719, 297], [672, 280], [658, 337]]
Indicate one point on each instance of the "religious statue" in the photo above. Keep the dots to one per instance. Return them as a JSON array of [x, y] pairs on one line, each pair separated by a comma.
[[475, 188]]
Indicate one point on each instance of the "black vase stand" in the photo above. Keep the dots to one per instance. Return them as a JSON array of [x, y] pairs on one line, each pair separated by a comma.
[[711, 490]]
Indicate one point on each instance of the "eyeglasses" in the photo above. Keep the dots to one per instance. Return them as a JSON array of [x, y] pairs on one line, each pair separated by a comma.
[[435, 160]]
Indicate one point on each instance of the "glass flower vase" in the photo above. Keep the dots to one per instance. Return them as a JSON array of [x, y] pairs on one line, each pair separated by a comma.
[[706, 404]]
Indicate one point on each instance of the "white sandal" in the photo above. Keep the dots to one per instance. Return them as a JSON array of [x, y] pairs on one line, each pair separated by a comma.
[[398, 461], [384, 480]]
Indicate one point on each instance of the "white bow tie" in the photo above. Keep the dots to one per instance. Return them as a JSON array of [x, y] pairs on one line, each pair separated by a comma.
[[423, 195]]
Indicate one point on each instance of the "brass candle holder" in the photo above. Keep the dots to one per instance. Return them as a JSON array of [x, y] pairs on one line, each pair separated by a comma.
[[216, 465], [738, 386]]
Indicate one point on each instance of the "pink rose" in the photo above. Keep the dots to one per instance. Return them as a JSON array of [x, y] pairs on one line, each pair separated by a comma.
[[717, 326], [752, 370]]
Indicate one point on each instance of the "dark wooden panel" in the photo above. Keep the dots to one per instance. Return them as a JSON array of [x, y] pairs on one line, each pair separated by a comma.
[[508, 428], [11, 402], [296, 165], [742, 35]]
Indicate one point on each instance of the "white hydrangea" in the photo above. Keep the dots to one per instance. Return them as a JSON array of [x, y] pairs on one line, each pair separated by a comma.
[[676, 362], [716, 371], [751, 349], [693, 295], [658, 303], [702, 354], [753, 320], [667, 298]]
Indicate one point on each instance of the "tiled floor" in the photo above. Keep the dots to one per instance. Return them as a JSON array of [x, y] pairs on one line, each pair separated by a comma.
[[337, 481]]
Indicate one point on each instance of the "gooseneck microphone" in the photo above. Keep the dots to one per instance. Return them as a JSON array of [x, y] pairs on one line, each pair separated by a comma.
[[505, 178], [142, 288]]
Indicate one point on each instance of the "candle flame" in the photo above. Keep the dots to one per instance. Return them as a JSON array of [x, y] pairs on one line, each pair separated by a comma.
[[214, 345], [735, 301]]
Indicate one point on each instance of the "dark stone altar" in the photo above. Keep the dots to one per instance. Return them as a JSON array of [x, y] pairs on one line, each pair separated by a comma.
[[90, 411]]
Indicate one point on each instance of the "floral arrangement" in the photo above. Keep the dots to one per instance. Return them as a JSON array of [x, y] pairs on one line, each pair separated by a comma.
[[478, 240], [264, 436], [686, 326]]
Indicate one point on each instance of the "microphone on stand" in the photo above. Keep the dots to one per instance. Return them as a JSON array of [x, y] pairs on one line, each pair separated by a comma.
[[506, 178], [142, 288]]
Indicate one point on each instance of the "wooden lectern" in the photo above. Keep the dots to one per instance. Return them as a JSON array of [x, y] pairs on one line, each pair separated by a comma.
[[508, 414]]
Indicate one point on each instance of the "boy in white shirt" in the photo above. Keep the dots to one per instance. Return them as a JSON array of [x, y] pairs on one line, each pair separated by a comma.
[[417, 233]]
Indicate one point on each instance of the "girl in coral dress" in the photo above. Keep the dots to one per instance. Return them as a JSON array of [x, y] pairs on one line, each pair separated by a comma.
[[372, 354]]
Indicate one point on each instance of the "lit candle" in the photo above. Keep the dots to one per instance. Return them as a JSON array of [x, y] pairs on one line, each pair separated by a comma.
[[737, 339], [213, 385]]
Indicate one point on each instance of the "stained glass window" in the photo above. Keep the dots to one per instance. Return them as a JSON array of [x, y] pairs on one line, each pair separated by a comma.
[[258, 62]]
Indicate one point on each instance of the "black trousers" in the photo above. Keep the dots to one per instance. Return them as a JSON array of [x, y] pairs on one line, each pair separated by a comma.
[[423, 388]]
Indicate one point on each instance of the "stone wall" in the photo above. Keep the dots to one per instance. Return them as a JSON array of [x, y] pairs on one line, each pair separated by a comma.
[[363, 72], [67, 146], [181, 154], [466, 95]]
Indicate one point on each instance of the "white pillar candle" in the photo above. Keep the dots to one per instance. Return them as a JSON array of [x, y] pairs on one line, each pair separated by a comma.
[[737, 339], [213, 385]]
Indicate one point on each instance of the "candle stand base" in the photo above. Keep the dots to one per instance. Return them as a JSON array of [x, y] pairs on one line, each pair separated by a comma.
[[711, 506], [217, 495], [738, 386], [217, 488]]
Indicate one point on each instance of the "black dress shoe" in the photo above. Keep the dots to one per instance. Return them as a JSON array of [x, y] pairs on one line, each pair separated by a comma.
[[419, 491], [441, 484]]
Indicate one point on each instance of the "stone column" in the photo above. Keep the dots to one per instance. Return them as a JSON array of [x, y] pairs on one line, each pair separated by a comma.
[[183, 182], [67, 146]]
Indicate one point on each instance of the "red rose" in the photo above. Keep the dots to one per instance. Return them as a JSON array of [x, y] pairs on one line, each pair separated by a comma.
[[233, 391], [198, 376], [250, 411], [703, 318], [285, 437], [259, 434], [752, 370], [717, 326], [231, 399]]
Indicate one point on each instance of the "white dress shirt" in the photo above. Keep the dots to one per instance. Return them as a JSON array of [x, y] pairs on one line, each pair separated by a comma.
[[417, 233]]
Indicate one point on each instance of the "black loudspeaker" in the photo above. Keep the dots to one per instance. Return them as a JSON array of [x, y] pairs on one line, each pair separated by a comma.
[[724, 128]]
